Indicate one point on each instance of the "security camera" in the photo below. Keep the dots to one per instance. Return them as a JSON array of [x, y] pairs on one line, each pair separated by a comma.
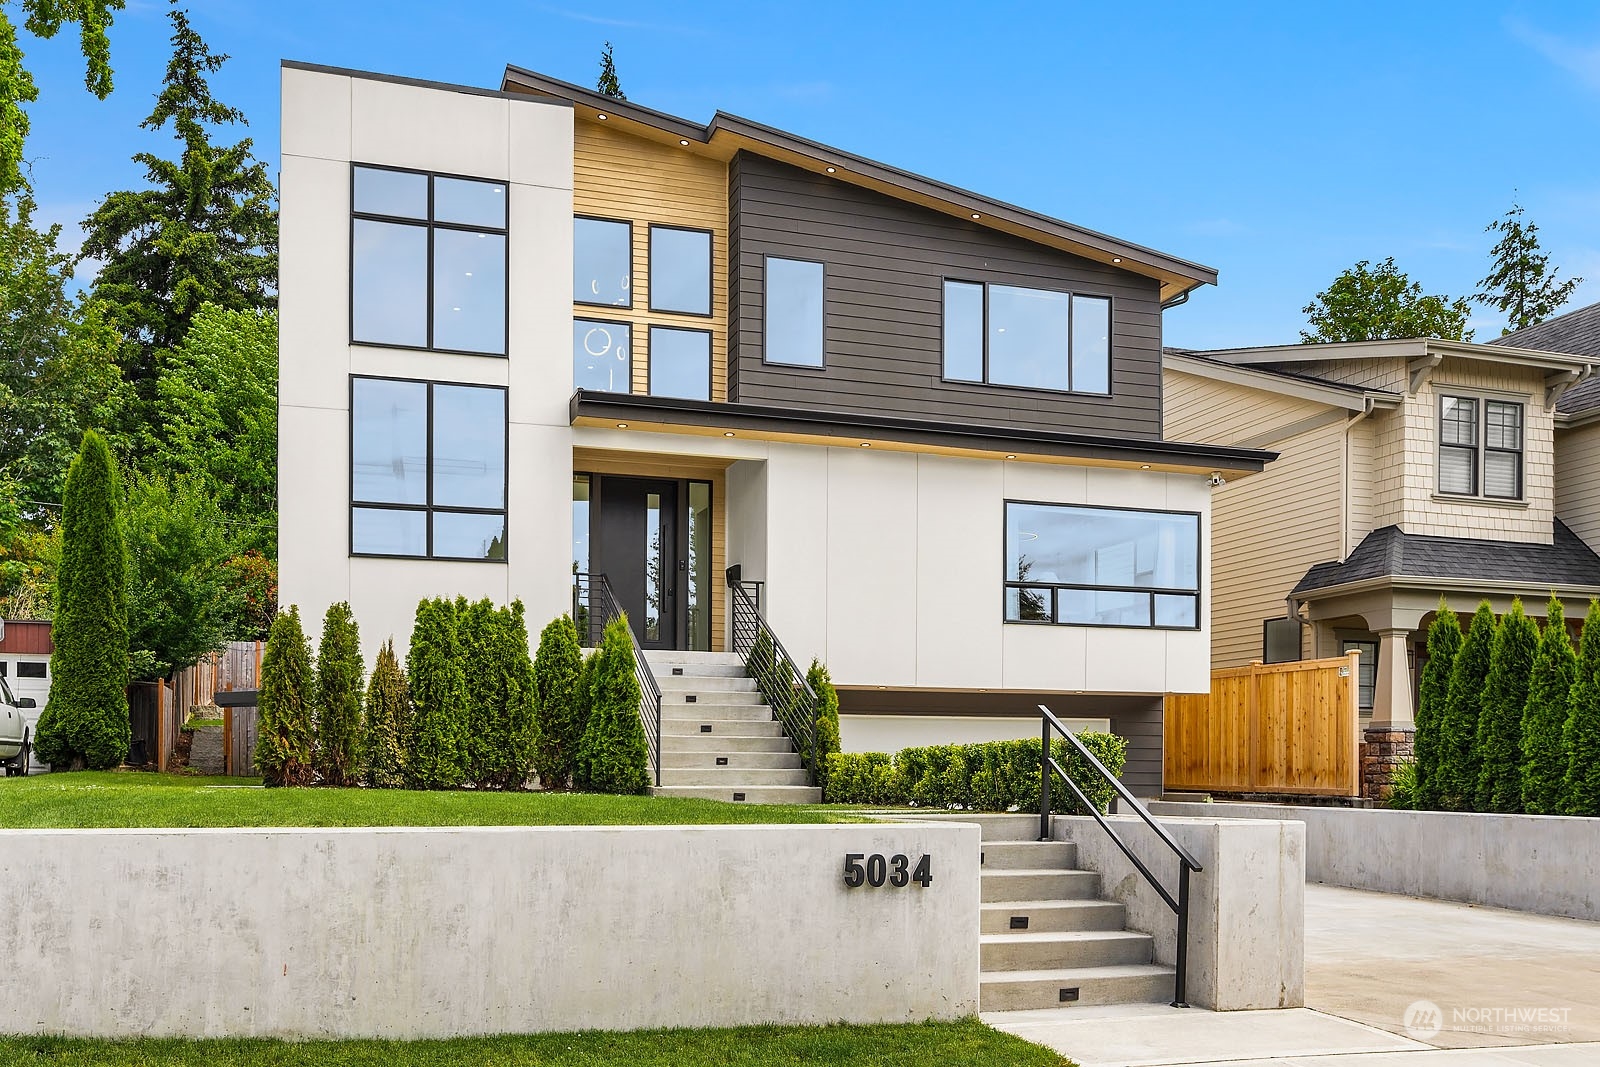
[[1217, 480]]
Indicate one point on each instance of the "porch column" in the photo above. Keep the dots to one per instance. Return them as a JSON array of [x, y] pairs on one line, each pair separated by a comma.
[[1391, 704]]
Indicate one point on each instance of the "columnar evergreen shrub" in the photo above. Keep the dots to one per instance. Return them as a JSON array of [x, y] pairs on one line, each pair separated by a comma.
[[388, 722], [474, 635], [338, 698], [1505, 697], [827, 719], [1444, 643], [1458, 736], [763, 668], [435, 742], [504, 754], [560, 709], [613, 756], [1544, 719], [85, 723], [284, 722], [1581, 735]]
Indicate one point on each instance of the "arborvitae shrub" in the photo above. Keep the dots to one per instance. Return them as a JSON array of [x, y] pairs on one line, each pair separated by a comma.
[[827, 720], [613, 756], [1458, 736], [505, 760], [1505, 697], [474, 638], [1444, 643], [85, 723], [338, 704], [435, 744], [1544, 719], [1581, 736], [559, 706], [284, 729], [388, 722], [763, 667]]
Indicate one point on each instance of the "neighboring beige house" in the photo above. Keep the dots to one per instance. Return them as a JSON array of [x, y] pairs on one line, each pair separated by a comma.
[[1408, 470]]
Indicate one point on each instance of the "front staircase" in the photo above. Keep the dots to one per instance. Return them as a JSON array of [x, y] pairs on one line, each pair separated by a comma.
[[719, 739]]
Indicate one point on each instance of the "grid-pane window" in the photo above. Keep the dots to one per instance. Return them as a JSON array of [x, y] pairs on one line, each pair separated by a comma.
[[427, 469], [1502, 449], [1029, 338], [1481, 447], [1366, 671]]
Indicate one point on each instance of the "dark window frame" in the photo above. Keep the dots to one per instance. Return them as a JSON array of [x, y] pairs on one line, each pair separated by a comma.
[[1480, 447], [632, 348], [1070, 294], [711, 269], [430, 226], [650, 355], [428, 509], [766, 359], [620, 222], [1054, 588]]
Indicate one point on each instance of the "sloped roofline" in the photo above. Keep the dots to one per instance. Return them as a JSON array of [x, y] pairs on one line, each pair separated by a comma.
[[732, 133], [1300, 386], [1398, 348]]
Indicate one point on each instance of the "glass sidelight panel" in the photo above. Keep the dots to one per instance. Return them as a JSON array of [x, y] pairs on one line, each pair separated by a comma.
[[700, 587], [654, 577], [580, 524]]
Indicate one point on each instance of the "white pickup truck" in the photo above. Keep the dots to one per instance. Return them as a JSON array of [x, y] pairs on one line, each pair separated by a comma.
[[16, 745]]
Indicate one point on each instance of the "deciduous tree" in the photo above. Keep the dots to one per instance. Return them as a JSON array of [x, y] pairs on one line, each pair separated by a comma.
[[1522, 284], [1368, 303]]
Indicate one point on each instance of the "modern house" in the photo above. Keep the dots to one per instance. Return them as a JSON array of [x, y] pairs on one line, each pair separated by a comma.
[[539, 333], [1408, 470]]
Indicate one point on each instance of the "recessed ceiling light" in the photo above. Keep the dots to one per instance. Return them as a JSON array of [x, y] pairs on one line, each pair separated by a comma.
[[622, 426], [602, 118], [727, 433], [1116, 259], [976, 215], [1011, 457], [866, 444], [1144, 466], [830, 170], [683, 142], [883, 687]]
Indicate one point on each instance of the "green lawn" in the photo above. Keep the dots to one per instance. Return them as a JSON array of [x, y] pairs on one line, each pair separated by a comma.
[[88, 799], [961, 1044]]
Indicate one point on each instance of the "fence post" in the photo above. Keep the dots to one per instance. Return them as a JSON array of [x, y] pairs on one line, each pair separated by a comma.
[[1353, 719], [1044, 778]]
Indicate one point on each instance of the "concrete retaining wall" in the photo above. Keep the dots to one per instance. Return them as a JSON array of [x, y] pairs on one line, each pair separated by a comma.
[[1544, 864], [1246, 908], [410, 933]]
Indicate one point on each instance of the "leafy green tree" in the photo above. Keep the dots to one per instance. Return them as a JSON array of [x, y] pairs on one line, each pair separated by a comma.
[[436, 742], [608, 84], [1444, 642], [30, 554], [44, 19], [1458, 735], [1368, 303], [338, 704], [387, 722], [614, 756], [1581, 734], [205, 231], [1522, 285], [254, 581], [86, 722], [284, 725], [821, 684], [557, 671], [1505, 698], [1544, 719]]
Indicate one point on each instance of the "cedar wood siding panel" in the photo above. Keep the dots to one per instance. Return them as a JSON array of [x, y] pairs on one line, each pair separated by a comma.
[[885, 265]]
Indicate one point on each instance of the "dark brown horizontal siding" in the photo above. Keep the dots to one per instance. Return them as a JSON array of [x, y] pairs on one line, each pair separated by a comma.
[[886, 262]]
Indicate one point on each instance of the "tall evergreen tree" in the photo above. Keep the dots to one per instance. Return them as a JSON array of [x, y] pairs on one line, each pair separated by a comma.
[[86, 722], [436, 753], [608, 84], [1582, 732], [1505, 698], [1522, 283], [284, 724], [1544, 721], [1367, 303], [205, 231], [614, 756], [557, 670], [1458, 735], [1444, 643], [338, 705], [387, 722]]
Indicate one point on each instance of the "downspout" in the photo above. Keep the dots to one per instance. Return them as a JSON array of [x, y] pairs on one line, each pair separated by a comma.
[[1344, 512], [1181, 298]]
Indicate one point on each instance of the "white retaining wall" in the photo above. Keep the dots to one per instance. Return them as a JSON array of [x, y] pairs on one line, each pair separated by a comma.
[[409, 933]]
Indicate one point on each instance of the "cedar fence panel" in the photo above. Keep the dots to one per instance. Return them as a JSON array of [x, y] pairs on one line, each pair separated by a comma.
[[236, 666]]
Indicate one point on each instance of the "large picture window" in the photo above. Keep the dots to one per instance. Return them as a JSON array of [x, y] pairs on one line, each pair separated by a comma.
[[427, 261], [1030, 338], [793, 323], [1089, 566], [1480, 447], [427, 469]]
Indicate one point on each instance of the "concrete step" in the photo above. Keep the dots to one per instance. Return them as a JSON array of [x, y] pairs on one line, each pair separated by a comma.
[[711, 698], [1129, 983], [661, 657], [683, 760], [701, 683], [722, 743], [1049, 916], [996, 826], [1034, 855], [687, 727], [1035, 885], [755, 794], [733, 777], [1035, 950], [699, 712]]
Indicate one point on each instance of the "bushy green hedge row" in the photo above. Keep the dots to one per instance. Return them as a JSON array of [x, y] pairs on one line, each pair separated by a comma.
[[985, 776]]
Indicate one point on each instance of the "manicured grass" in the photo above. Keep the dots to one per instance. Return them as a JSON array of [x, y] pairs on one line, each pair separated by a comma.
[[88, 799], [967, 1043]]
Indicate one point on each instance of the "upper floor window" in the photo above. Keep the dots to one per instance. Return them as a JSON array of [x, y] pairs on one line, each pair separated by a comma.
[[1031, 338], [602, 355], [602, 262], [680, 270], [427, 261], [793, 327], [680, 362], [1480, 447], [1087, 566]]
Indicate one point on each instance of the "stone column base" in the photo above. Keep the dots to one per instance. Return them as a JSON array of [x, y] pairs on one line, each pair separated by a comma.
[[1383, 749]]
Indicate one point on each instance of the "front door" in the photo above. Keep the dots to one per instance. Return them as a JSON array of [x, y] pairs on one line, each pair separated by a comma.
[[638, 554]]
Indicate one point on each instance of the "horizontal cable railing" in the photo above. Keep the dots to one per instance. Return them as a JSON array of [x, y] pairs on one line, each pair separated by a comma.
[[594, 605], [780, 679]]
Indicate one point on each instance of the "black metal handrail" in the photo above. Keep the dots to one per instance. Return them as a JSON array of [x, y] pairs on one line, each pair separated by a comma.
[[1049, 725], [780, 679], [594, 605]]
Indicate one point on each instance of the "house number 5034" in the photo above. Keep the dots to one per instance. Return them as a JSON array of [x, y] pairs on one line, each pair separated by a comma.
[[861, 869]]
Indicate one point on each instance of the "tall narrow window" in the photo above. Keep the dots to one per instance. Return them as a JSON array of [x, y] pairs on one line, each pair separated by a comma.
[[1458, 445], [580, 524], [680, 270], [963, 331], [655, 578], [602, 356], [701, 589], [680, 363], [1366, 672], [602, 262], [1502, 450], [428, 261], [794, 312]]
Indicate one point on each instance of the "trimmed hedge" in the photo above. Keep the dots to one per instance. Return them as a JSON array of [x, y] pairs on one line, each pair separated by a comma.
[[985, 776]]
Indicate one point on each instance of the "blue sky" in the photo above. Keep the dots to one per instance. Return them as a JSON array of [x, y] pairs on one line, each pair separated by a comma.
[[1276, 142]]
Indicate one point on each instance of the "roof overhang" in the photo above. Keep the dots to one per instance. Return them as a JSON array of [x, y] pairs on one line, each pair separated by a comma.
[[638, 413], [727, 134], [1411, 348], [1346, 397], [1436, 586]]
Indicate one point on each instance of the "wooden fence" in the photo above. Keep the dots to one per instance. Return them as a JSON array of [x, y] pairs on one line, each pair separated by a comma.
[[1290, 728], [238, 666]]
